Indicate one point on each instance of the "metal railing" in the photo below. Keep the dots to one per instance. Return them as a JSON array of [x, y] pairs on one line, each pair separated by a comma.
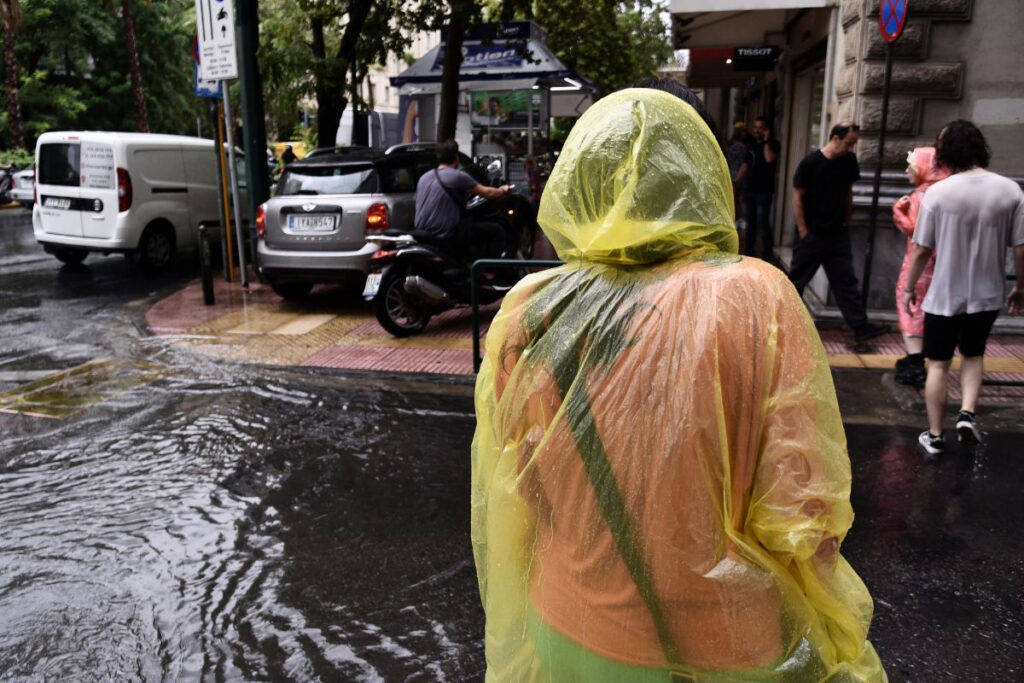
[[474, 277]]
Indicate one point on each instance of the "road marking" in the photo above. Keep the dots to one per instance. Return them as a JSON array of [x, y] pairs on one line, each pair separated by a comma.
[[303, 324]]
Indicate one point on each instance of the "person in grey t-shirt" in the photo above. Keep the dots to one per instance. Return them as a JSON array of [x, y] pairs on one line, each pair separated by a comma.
[[968, 220], [441, 195]]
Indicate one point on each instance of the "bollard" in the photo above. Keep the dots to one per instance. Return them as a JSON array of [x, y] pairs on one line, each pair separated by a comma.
[[205, 267]]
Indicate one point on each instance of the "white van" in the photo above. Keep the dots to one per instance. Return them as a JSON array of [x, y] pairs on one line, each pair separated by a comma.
[[124, 192]]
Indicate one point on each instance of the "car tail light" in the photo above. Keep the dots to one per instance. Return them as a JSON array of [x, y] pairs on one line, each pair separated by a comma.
[[261, 220], [35, 190], [376, 218], [124, 190]]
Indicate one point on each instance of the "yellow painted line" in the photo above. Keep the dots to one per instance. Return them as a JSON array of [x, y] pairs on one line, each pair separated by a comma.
[[260, 322], [303, 324], [877, 362], [883, 362], [1004, 364], [845, 360]]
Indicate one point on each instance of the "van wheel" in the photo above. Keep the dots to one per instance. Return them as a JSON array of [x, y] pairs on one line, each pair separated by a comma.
[[293, 291], [156, 248], [72, 257]]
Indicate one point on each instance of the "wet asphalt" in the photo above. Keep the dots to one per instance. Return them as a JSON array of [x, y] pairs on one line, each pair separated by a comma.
[[231, 522]]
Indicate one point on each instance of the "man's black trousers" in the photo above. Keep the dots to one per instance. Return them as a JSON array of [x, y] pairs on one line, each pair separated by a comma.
[[832, 250]]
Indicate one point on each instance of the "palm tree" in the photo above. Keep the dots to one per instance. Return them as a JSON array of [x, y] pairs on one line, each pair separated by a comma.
[[138, 97], [10, 18]]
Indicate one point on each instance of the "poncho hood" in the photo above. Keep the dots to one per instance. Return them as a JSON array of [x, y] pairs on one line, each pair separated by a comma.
[[640, 179]]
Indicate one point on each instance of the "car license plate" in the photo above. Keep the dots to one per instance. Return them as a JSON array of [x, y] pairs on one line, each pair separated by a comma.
[[317, 223], [372, 285], [57, 203]]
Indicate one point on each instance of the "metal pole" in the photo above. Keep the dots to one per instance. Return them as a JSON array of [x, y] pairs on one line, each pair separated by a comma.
[[205, 267], [869, 251], [218, 138], [233, 171]]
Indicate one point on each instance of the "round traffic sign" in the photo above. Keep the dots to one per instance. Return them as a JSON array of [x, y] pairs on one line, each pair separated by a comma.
[[892, 15]]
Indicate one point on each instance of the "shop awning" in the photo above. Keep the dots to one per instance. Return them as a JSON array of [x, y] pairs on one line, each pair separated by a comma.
[[730, 23]]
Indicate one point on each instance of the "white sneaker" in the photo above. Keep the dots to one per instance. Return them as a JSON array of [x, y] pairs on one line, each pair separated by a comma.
[[932, 445]]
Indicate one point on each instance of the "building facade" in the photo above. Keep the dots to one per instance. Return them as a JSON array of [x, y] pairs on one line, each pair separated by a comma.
[[955, 59]]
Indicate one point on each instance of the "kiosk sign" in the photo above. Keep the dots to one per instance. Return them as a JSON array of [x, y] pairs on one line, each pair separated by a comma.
[[892, 15]]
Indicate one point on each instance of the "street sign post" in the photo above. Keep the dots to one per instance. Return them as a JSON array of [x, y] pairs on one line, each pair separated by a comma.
[[215, 27], [215, 50], [892, 16]]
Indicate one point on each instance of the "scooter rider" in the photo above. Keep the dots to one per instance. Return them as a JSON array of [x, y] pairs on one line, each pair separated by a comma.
[[441, 196]]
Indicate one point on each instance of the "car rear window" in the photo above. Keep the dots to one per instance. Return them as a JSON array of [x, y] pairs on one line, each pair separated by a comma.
[[59, 164], [328, 180]]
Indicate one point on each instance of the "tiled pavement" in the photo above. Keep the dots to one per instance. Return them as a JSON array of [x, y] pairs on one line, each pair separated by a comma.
[[336, 331]]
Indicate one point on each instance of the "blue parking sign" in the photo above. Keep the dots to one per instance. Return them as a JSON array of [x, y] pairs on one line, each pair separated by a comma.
[[204, 88]]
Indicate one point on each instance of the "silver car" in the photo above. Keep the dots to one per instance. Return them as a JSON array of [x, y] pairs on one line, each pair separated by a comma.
[[23, 185], [314, 229]]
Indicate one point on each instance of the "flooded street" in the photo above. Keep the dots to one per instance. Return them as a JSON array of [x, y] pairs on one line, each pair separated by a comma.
[[210, 521], [228, 528], [178, 517]]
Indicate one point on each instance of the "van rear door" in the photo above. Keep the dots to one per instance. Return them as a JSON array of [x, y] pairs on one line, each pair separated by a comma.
[[99, 198], [57, 182]]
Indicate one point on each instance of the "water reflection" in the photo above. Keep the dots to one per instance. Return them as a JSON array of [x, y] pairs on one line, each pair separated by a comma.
[[212, 526]]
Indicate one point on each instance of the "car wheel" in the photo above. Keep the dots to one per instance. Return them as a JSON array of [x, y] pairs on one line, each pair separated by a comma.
[[292, 291], [397, 311], [156, 248], [70, 256]]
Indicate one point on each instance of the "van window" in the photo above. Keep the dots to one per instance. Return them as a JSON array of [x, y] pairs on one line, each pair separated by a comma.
[[59, 164]]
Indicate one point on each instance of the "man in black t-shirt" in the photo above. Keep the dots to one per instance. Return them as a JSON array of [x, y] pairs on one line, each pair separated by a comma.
[[758, 171], [822, 200]]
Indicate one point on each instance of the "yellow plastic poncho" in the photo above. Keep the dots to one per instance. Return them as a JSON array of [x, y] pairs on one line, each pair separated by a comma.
[[660, 478]]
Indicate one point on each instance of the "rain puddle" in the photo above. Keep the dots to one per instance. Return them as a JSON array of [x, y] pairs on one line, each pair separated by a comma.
[[196, 521]]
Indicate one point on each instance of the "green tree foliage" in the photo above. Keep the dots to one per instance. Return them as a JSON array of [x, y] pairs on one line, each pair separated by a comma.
[[611, 42], [74, 71], [322, 50]]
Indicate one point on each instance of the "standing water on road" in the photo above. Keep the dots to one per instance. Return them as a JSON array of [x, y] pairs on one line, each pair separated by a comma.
[[233, 527], [198, 520]]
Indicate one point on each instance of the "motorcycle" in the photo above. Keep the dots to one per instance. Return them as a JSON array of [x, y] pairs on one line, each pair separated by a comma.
[[412, 277]]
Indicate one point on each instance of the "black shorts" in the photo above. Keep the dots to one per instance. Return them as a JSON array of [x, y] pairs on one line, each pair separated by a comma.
[[968, 331]]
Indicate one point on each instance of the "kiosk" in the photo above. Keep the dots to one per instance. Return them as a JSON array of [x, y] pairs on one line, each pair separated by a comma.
[[510, 87]]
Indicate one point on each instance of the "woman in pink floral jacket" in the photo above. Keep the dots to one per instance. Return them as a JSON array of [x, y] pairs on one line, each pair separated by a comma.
[[923, 172]]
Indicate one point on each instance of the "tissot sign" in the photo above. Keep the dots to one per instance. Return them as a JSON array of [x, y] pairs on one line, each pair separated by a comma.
[[754, 58]]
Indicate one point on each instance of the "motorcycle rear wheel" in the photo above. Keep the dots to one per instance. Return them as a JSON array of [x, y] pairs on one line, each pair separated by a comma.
[[397, 311]]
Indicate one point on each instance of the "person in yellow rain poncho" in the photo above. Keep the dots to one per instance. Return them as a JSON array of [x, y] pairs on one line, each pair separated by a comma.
[[660, 477]]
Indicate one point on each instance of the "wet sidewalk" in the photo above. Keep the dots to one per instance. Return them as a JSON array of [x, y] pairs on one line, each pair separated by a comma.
[[334, 329]]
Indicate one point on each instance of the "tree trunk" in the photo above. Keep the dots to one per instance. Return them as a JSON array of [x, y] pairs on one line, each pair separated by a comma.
[[330, 89], [447, 118], [138, 97], [11, 90]]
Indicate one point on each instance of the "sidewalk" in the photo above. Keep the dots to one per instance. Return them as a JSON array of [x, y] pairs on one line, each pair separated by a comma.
[[257, 326]]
